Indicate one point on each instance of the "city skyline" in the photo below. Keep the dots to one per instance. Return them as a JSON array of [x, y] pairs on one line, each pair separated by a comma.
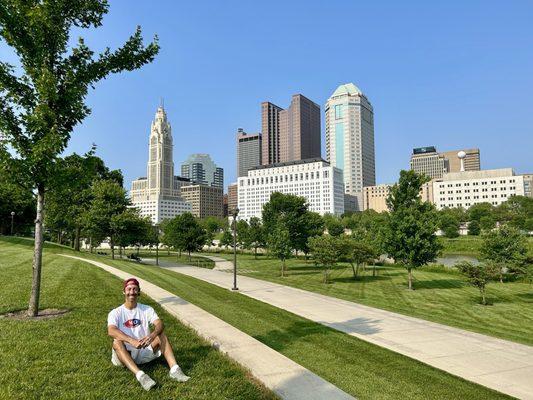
[[465, 87]]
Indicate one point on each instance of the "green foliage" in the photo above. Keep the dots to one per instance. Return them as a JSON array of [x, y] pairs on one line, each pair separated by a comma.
[[487, 222], [357, 252], [256, 234], [226, 239], [474, 229], [130, 229], [449, 222], [410, 238], [279, 245], [108, 199], [212, 225], [243, 234], [505, 247], [334, 226], [18, 199], [326, 250], [480, 210], [184, 233], [478, 275], [298, 220], [519, 212]]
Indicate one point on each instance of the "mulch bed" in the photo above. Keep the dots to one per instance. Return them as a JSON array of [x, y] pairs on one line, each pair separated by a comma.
[[45, 314]]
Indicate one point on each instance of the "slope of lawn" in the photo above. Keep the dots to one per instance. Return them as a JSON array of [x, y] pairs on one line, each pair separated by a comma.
[[441, 295], [360, 368], [469, 245], [69, 357]]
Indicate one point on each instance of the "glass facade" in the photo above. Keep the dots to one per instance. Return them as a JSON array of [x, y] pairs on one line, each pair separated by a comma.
[[339, 145]]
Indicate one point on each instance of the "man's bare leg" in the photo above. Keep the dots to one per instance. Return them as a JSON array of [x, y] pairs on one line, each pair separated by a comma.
[[124, 356], [162, 342]]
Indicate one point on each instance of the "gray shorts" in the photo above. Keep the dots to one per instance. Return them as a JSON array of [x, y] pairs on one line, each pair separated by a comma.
[[140, 356]]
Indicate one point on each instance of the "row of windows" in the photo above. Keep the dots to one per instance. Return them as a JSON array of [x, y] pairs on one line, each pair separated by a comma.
[[483, 183]]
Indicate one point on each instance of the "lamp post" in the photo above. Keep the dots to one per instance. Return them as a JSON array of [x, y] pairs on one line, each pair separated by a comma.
[[12, 216], [234, 213], [156, 229]]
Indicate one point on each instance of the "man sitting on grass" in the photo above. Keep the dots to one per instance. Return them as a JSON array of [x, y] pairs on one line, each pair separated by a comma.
[[133, 343]]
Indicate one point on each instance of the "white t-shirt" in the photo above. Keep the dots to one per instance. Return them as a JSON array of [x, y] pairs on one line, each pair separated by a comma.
[[134, 323]]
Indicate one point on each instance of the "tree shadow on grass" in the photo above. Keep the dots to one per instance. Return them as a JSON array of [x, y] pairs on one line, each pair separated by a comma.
[[360, 279], [281, 339], [187, 358], [438, 284], [526, 296]]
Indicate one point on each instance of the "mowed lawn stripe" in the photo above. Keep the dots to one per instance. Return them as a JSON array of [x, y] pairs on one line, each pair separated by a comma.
[[69, 357]]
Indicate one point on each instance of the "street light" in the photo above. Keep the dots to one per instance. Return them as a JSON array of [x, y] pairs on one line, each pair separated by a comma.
[[12, 216], [234, 213]]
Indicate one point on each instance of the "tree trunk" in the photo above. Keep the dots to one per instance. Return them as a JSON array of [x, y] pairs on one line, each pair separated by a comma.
[[410, 274], [353, 270], [59, 237], [77, 239], [112, 248], [326, 277], [157, 254], [138, 249], [33, 308], [189, 256], [483, 300], [283, 267], [255, 255], [373, 268]]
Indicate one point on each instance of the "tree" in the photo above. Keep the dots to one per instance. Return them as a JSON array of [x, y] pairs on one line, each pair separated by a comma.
[[108, 200], [334, 225], [18, 199], [279, 245], [226, 239], [41, 105], [212, 225], [487, 222], [478, 275], [519, 212], [410, 237], [293, 212], [479, 210], [184, 233], [449, 223], [326, 250], [473, 228], [256, 235], [357, 253], [129, 228], [506, 247], [243, 234]]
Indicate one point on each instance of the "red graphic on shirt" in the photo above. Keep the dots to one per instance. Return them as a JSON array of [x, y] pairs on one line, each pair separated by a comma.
[[132, 323]]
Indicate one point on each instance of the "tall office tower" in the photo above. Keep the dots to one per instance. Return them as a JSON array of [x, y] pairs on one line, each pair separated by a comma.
[[426, 160], [350, 139], [471, 160], [248, 151], [200, 169], [233, 196], [158, 194], [270, 129], [299, 130]]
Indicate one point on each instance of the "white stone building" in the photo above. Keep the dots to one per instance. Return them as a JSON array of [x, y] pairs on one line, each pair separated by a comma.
[[464, 189], [158, 194], [350, 139], [314, 179]]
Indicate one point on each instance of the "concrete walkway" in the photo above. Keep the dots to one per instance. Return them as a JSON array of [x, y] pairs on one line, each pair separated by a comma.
[[280, 374], [221, 264], [498, 364]]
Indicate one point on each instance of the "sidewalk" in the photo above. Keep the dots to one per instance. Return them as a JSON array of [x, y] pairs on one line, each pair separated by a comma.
[[289, 380], [495, 363]]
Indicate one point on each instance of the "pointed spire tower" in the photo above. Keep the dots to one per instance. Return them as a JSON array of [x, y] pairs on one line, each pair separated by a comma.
[[160, 171]]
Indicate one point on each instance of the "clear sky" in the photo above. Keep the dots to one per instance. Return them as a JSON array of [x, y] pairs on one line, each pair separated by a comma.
[[455, 74]]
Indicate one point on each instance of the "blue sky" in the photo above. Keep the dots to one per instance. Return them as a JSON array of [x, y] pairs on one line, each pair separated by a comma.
[[451, 74]]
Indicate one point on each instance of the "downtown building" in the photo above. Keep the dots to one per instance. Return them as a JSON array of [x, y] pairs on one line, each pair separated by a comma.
[[158, 194], [205, 201], [464, 189], [290, 134], [200, 169], [314, 179], [248, 151], [428, 161], [350, 139]]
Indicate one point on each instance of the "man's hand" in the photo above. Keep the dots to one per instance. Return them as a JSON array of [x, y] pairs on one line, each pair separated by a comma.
[[136, 343], [146, 341]]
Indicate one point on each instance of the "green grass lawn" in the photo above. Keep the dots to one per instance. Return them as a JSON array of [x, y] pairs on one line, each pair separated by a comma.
[[360, 368], [69, 357], [469, 245], [441, 295]]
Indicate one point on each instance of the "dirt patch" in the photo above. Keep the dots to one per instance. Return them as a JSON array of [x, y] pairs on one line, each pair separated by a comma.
[[48, 313]]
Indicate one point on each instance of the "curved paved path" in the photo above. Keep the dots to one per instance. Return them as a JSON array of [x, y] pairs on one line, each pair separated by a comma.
[[289, 380], [498, 364]]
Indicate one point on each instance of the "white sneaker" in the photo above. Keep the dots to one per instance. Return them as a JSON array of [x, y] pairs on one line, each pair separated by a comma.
[[146, 382], [179, 376]]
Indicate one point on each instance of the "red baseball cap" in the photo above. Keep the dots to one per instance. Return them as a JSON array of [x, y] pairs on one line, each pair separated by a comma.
[[131, 280]]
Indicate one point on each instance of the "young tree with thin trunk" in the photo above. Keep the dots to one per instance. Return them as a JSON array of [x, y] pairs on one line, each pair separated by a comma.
[[326, 250], [357, 253], [41, 104], [410, 236], [478, 275], [279, 245]]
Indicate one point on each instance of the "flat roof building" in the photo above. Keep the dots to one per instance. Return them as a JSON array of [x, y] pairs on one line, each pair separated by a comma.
[[206, 201], [248, 151], [314, 179]]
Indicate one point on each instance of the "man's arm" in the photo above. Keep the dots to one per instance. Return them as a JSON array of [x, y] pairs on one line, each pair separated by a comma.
[[158, 329], [116, 333]]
